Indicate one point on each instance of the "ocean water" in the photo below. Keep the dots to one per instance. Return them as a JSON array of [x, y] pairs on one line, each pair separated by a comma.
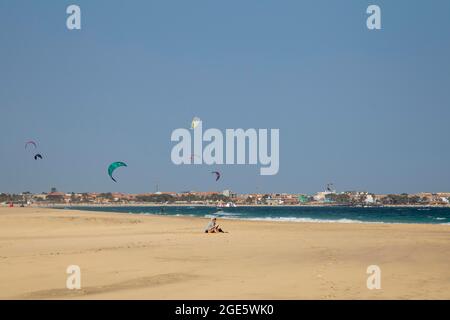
[[296, 214]]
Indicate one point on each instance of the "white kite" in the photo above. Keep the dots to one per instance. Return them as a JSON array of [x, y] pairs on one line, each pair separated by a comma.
[[195, 122]]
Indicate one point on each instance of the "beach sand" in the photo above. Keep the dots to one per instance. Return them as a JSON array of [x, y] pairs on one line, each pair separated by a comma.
[[124, 256]]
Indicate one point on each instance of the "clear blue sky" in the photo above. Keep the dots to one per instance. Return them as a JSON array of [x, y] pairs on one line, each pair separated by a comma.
[[366, 110]]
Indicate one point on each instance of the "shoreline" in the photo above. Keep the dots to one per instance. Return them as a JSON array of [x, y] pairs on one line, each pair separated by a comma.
[[243, 220], [280, 219], [273, 220]]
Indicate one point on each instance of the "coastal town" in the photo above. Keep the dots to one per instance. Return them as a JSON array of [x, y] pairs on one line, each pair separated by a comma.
[[226, 198]]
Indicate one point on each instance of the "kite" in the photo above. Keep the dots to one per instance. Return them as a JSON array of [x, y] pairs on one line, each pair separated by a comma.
[[30, 142], [195, 122], [37, 156], [113, 166], [217, 173]]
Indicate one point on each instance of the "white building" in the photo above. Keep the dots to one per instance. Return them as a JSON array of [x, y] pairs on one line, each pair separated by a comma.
[[229, 193], [369, 199]]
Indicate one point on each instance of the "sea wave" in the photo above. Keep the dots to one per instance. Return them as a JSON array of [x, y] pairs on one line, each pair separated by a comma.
[[222, 213], [183, 215], [227, 216], [310, 220]]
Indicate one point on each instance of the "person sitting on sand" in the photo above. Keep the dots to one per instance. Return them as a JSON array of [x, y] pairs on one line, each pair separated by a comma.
[[212, 227]]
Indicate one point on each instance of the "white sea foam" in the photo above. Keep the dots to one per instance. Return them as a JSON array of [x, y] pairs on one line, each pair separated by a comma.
[[184, 215], [221, 213], [294, 219]]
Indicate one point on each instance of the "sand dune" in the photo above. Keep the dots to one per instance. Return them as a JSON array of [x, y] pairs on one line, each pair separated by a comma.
[[150, 257]]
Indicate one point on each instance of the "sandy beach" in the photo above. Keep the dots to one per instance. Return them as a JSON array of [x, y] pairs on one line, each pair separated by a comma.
[[124, 256]]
